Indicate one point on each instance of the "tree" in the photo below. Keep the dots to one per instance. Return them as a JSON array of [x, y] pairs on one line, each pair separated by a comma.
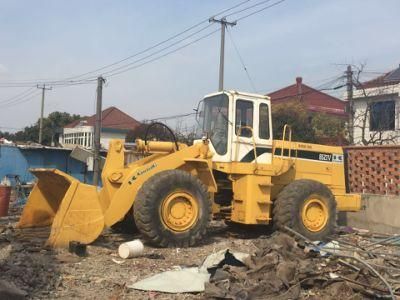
[[329, 129], [306, 126], [52, 126], [295, 114]]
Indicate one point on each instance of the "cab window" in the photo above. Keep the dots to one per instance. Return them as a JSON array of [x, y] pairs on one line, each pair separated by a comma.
[[244, 117], [263, 126]]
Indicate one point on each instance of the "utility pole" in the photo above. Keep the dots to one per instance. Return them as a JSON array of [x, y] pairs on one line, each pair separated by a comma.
[[97, 132], [223, 23], [349, 75], [43, 87]]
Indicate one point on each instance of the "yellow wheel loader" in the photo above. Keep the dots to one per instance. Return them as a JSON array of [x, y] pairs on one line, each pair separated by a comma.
[[235, 172]]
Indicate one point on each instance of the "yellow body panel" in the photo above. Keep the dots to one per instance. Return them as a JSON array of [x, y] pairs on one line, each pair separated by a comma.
[[252, 183], [251, 199]]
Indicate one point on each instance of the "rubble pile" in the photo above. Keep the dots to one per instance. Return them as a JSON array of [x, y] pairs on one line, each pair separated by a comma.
[[25, 262], [281, 268]]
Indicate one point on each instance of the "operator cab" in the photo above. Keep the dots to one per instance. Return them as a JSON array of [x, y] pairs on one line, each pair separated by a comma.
[[238, 126]]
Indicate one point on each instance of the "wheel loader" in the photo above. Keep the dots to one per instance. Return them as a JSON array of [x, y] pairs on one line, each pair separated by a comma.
[[235, 171]]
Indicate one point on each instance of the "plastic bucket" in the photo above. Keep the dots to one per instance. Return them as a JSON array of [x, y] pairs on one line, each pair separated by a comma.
[[5, 192], [131, 249]]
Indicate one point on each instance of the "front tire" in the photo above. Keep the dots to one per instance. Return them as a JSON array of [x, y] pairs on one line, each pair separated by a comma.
[[306, 206], [172, 209]]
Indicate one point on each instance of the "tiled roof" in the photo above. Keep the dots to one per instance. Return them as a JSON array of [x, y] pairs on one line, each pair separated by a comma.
[[315, 100], [112, 117], [392, 77]]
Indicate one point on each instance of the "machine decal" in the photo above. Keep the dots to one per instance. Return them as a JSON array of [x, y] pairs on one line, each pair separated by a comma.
[[302, 154], [249, 157], [140, 172]]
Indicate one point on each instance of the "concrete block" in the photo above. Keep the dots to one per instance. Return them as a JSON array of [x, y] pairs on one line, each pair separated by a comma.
[[380, 214]]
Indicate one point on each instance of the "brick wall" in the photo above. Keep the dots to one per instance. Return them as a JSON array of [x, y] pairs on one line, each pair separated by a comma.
[[374, 169]]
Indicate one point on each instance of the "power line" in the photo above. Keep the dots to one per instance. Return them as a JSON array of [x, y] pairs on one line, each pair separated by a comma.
[[50, 82], [247, 8], [113, 72], [158, 51], [23, 100], [19, 95], [161, 56], [260, 10], [124, 68], [17, 100], [242, 61], [162, 42]]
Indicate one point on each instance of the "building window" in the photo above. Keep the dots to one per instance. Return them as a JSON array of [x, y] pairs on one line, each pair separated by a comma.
[[263, 122], [244, 117], [382, 116]]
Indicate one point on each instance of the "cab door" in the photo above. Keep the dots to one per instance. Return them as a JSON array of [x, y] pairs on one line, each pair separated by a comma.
[[251, 137]]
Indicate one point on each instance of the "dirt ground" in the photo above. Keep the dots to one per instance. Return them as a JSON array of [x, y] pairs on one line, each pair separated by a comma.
[[44, 273], [55, 273]]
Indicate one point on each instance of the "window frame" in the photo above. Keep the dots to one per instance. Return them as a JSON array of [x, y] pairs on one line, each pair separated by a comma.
[[268, 137], [374, 124], [236, 118]]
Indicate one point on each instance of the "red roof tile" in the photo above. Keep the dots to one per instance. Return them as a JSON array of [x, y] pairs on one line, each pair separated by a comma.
[[112, 117], [314, 100]]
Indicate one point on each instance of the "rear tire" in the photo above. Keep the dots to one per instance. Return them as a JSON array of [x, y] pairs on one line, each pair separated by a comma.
[[306, 206], [172, 209]]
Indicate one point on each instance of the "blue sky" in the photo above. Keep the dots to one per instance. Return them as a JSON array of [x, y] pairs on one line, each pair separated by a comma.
[[308, 38]]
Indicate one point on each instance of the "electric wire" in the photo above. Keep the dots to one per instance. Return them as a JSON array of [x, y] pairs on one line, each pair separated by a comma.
[[134, 67], [260, 10], [163, 55], [19, 95], [162, 42], [126, 67], [17, 100], [241, 61], [247, 8], [158, 51], [48, 83], [23, 100], [68, 79]]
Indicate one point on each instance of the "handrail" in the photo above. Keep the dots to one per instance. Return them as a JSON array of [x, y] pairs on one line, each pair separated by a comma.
[[253, 140], [284, 140]]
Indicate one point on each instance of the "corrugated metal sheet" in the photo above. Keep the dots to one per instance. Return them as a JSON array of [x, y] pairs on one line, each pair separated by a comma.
[[18, 160]]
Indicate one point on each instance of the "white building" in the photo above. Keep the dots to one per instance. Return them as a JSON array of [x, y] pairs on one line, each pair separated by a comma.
[[115, 125], [377, 110]]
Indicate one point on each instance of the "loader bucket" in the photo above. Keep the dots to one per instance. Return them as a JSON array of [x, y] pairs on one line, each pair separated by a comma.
[[70, 207]]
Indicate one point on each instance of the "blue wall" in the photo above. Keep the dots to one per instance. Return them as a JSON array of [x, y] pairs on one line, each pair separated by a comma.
[[17, 161]]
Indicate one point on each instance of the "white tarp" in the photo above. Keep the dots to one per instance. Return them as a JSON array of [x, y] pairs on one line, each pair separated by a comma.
[[184, 280]]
